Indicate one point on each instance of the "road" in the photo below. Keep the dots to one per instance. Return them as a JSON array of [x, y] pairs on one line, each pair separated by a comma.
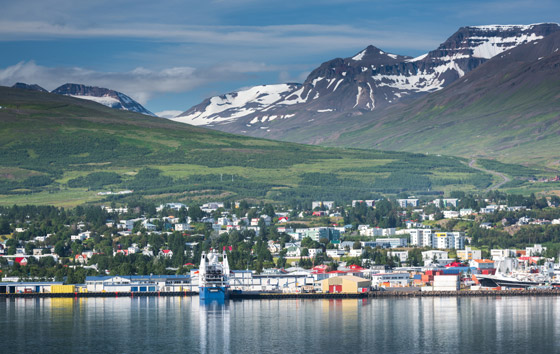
[[505, 179]]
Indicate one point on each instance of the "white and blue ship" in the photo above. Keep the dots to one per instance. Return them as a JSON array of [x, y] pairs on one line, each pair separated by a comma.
[[213, 277]]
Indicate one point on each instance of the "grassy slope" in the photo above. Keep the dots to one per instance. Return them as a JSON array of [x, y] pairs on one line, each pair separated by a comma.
[[62, 139]]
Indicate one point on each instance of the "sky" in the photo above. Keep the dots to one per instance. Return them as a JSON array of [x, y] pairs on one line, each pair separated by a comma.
[[172, 54]]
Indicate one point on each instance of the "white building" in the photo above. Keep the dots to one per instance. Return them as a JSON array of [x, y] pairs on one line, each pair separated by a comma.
[[420, 237], [401, 255], [369, 203], [536, 250], [449, 240], [400, 279], [434, 255], [450, 214], [404, 203], [322, 204]]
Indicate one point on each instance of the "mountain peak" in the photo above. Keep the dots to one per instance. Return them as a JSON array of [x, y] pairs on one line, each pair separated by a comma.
[[373, 54], [32, 87], [104, 96]]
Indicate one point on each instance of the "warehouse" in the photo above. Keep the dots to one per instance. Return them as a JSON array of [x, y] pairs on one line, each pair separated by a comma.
[[347, 284], [27, 287]]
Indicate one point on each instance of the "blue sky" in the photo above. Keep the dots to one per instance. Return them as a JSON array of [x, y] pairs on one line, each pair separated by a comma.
[[171, 54]]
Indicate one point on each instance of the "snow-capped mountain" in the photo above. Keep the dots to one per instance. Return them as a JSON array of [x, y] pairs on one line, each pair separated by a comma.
[[229, 107], [106, 97], [370, 80]]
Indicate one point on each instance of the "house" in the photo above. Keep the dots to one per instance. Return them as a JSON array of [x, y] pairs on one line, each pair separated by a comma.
[[165, 253], [283, 219], [335, 253], [355, 252], [293, 251], [313, 252], [22, 261], [465, 212], [182, 227], [148, 226], [450, 214]]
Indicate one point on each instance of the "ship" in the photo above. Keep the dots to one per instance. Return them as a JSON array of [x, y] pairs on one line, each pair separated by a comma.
[[518, 281], [213, 277]]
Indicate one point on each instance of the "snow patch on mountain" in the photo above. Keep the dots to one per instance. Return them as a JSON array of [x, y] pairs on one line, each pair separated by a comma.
[[106, 100]]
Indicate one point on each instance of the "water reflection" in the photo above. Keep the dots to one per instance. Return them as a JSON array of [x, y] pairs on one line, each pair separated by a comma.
[[214, 324], [182, 324]]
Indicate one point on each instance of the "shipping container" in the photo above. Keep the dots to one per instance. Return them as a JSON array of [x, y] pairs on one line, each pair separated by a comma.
[[62, 289]]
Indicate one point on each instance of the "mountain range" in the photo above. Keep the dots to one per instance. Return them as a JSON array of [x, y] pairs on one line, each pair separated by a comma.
[[106, 97], [389, 101]]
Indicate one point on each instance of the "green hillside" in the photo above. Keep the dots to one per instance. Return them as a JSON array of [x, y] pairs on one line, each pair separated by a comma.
[[64, 151]]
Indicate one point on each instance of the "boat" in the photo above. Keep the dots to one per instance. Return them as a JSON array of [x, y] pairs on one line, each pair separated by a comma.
[[518, 281], [213, 277]]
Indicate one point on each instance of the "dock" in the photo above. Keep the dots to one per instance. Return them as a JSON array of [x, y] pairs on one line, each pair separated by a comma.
[[281, 296]]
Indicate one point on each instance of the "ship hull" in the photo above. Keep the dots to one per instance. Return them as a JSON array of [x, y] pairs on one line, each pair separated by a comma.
[[493, 281], [214, 293]]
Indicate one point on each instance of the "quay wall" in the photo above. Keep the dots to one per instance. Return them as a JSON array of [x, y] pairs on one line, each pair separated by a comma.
[[280, 296]]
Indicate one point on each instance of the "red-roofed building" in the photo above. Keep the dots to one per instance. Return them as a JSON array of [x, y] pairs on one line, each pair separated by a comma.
[[22, 261], [166, 253], [455, 264]]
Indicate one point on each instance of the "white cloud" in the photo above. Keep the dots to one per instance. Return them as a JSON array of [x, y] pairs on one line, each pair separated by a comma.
[[141, 84], [307, 37], [168, 114]]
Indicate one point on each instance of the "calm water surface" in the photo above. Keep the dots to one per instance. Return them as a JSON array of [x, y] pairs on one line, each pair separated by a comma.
[[182, 325]]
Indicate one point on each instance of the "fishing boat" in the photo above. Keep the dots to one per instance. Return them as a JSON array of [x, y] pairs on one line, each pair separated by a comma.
[[213, 277]]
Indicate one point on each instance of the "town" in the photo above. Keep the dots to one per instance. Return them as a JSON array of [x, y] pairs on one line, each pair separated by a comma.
[[461, 242]]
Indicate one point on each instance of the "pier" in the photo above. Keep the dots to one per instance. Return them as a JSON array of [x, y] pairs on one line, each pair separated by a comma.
[[281, 296]]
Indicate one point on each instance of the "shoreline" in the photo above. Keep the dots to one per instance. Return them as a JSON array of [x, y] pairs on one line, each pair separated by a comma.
[[281, 296]]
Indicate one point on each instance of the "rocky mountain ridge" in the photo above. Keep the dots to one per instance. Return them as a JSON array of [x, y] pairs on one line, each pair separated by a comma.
[[350, 87]]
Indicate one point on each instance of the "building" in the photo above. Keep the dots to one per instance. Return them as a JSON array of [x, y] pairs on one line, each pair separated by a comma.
[[499, 254], [369, 203], [450, 214], [444, 283], [405, 203], [402, 256], [434, 255], [391, 242], [322, 205], [449, 240], [346, 284], [376, 231], [482, 264], [317, 233], [386, 280], [536, 250], [420, 237], [446, 202], [469, 254]]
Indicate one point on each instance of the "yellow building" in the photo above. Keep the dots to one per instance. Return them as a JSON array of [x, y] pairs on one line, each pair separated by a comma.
[[346, 284]]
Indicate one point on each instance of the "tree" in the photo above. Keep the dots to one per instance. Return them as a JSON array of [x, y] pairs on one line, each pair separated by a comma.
[[5, 227]]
